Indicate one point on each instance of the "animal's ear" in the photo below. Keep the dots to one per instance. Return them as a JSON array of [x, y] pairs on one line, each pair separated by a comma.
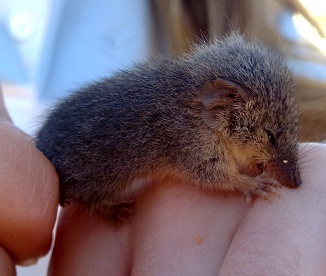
[[218, 98]]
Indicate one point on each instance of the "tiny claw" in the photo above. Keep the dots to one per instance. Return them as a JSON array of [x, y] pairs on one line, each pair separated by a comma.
[[266, 188], [265, 193], [248, 197]]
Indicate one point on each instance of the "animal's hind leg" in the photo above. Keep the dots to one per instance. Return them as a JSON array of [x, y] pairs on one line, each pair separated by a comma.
[[117, 213]]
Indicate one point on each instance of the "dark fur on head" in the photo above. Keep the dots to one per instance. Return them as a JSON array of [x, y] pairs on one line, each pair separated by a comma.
[[220, 117]]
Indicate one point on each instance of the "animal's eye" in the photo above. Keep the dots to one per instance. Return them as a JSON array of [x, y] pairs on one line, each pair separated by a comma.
[[271, 137]]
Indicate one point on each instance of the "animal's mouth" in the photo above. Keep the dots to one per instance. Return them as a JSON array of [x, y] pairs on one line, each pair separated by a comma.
[[260, 167], [257, 169], [254, 169]]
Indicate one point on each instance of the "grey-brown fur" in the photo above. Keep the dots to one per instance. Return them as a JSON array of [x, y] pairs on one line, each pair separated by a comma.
[[208, 117]]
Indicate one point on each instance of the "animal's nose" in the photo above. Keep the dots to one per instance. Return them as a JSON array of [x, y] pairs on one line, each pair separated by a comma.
[[297, 178]]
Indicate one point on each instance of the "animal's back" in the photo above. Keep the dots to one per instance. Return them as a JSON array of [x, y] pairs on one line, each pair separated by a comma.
[[110, 130]]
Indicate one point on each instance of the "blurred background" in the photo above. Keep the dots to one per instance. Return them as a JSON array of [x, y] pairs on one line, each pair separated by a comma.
[[49, 48]]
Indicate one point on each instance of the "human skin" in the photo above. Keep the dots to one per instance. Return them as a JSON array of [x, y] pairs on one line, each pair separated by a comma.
[[184, 231], [28, 198], [176, 230]]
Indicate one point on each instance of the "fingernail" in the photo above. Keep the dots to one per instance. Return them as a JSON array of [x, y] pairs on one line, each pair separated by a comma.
[[28, 262]]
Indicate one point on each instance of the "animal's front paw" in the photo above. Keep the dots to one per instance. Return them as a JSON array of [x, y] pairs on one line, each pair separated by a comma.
[[265, 188]]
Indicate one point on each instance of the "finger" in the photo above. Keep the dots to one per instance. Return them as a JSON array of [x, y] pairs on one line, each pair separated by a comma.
[[4, 115], [28, 196], [87, 245], [286, 236], [7, 266], [183, 231]]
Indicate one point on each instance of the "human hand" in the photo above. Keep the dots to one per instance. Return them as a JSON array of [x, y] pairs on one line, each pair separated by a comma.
[[175, 231], [28, 198], [184, 231]]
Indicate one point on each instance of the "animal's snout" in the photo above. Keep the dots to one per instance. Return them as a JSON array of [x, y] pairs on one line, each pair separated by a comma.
[[297, 179], [289, 174]]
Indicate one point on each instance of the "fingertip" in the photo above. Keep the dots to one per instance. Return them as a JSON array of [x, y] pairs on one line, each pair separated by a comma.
[[87, 245], [28, 198], [7, 266]]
